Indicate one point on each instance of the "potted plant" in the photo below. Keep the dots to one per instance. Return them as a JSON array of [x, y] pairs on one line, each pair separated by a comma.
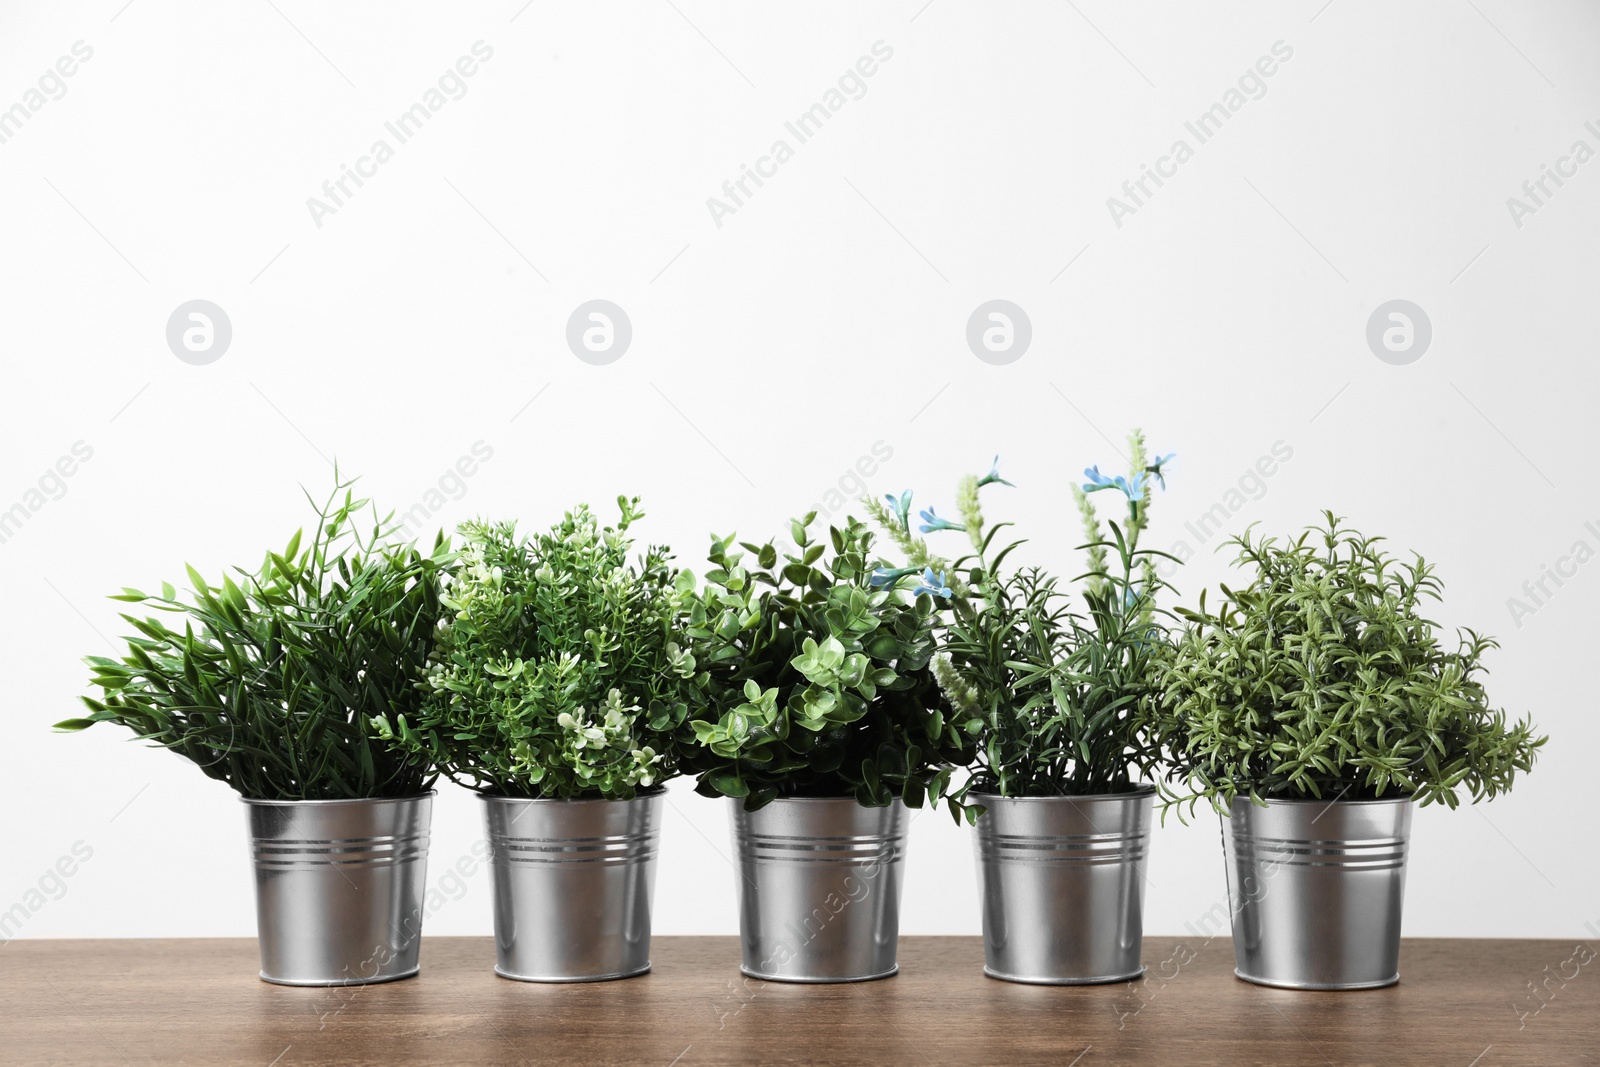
[[554, 691], [1312, 709], [823, 723], [1053, 698], [268, 682]]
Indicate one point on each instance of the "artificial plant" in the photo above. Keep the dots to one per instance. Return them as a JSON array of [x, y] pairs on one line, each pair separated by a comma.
[[1052, 695], [558, 670], [1321, 678], [269, 682], [819, 676]]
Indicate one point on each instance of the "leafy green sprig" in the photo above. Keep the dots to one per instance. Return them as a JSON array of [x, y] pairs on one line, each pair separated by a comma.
[[268, 681], [1322, 679]]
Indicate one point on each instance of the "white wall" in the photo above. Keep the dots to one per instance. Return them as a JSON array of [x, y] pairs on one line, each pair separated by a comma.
[[770, 353]]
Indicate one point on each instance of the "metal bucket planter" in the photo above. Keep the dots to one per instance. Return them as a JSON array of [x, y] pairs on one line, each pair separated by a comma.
[[1316, 889], [1061, 881], [819, 889], [339, 888], [573, 882]]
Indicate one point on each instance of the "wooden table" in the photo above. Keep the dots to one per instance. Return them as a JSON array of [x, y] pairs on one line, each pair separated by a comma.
[[1460, 1003]]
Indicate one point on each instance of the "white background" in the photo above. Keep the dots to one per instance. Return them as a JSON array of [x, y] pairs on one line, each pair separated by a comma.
[[772, 352]]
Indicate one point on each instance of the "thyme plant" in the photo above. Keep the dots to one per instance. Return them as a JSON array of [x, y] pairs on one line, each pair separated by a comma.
[[1053, 696], [1322, 679], [557, 671], [819, 677], [268, 682]]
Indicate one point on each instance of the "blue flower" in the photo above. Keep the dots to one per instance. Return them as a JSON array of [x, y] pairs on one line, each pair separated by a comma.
[[933, 585], [889, 575], [932, 523], [1132, 488], [1155, 468], [902, 507], [994, 475]]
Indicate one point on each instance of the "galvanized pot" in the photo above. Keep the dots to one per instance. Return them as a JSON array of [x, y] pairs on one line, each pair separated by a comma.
[[339, 888], [1316, 889], [819, 889], [1062, 886], [573, 883]]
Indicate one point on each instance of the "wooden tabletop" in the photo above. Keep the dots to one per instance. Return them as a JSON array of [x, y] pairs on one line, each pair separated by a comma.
[[1460, 1003]]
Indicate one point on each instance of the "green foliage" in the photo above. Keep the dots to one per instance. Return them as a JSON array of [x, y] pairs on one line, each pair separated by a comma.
[[818, 679], [1053, 696], [269, 682], [1322, 679], [556, 671]]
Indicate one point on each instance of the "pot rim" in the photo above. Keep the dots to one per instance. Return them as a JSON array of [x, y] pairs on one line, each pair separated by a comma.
[[1140, 793], [1298, 801], [820, 800], [644, 794], [348, 800]]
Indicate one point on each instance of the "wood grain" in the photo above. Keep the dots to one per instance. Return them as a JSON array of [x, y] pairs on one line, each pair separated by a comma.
[[199, 1001]]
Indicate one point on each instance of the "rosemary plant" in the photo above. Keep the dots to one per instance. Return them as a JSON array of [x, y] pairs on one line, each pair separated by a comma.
[[1052, 696], [557, 672], [1322, 679], [268, 682]]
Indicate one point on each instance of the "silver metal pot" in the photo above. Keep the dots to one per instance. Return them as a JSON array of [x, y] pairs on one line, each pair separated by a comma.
[[1316, 889], [1061, 881], [339, 888], [573, 882], [819, 891]]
